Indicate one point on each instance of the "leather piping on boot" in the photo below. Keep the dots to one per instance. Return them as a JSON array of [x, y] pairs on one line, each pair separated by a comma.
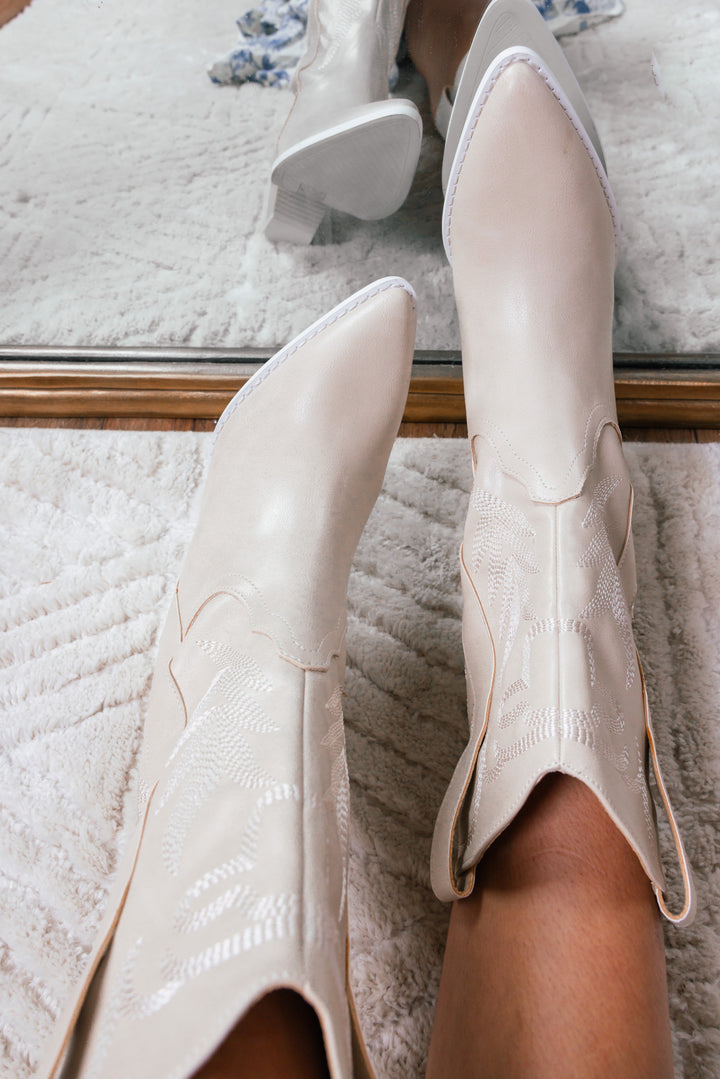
[[181, 699], [503, 61], [463, 890], [687, 913], [312, 331], [102, 950], [334, 649]]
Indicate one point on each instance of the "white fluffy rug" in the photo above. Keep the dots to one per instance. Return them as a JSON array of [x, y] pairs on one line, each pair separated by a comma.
[[92, 529], [132, 189]]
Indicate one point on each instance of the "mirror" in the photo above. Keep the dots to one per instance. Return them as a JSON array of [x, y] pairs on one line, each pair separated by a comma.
[[133, 190]]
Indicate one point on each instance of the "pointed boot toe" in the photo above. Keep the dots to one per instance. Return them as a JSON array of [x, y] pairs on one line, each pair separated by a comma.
[[235, 882]]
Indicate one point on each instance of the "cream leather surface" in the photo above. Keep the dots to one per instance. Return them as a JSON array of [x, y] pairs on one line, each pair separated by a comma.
[[351, 47], [236, 877], [557, 581], [547, 560], [345, 144]]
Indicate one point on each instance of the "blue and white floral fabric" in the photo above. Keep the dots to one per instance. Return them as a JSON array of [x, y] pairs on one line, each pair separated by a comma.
[[272, 36], [572, 16], [272, 40]]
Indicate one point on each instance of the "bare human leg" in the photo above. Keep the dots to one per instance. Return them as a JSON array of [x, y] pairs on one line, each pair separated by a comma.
[[280, 1038], [438, 34], [555, 964]]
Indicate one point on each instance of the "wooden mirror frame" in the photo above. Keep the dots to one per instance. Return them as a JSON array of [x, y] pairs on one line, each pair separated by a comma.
[[653, 390]]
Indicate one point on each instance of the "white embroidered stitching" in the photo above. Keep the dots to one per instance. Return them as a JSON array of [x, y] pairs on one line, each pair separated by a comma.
[[338, 793], [503, 549]]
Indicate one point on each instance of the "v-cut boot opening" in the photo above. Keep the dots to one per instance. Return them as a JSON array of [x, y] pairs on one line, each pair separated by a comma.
[[279, 1037]]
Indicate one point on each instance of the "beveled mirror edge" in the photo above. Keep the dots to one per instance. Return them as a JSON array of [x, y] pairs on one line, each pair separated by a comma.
[[653, 390]]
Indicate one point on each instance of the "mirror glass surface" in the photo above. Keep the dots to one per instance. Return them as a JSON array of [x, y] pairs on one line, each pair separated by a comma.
[[133, 189]]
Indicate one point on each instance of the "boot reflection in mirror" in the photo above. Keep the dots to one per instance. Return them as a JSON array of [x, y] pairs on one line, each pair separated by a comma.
[[346, 143], [438, 36]]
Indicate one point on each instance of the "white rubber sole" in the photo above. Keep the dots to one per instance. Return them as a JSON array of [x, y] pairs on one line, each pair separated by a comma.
[[511, 24], [363, 166], [317, 327], [504, 60]]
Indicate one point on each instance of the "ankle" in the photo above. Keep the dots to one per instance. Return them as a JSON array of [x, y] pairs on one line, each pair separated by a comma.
[[438, 35]]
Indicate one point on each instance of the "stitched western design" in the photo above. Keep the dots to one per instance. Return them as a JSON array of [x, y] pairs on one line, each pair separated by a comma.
[[569, 724], [266, 917], [503, 539], [553, 640], [338, 793], [228, 899], [609, 597], [212, 750], [277, 910], [234, 907]]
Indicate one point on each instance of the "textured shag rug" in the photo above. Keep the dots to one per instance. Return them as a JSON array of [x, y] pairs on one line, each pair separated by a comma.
[[132, 188], [92, 530]]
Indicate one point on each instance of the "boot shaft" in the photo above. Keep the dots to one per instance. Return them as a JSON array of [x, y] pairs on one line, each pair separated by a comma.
[[555, 582], [351, 48], [243, 856]]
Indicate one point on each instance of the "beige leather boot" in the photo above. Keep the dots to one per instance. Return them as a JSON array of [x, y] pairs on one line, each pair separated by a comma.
[[235, 881], [346, 144], [548, 572]]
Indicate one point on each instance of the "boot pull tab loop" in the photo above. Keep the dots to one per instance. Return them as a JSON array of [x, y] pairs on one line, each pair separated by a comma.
[[687, 913], [448, 881]]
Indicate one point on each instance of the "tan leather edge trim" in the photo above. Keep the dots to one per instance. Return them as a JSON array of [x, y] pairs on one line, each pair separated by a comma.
[[100, 954], [687, 913], [179, 613], [333, 650], [462, 891], [628, 530], [179, 693]]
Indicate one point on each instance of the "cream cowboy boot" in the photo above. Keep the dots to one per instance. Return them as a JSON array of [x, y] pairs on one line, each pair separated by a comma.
[[345, 144], [235, 881], [554, 681]]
